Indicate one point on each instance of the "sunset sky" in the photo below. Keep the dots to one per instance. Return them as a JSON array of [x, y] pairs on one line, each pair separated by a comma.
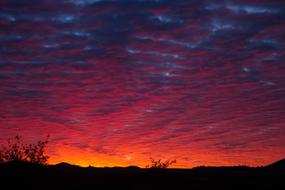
[[115, 82]]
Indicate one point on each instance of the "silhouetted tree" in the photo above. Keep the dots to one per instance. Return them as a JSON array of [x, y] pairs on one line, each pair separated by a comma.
[[16, 150], [160, 164]]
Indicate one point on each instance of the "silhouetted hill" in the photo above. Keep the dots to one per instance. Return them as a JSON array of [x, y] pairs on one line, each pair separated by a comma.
[[65, 165], [278, 166], [24, 175]]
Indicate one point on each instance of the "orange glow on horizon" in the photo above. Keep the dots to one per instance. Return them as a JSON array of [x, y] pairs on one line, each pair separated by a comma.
[[85, 158]]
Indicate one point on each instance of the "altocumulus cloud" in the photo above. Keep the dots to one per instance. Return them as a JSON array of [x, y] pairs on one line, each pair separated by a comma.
[[146, 78]]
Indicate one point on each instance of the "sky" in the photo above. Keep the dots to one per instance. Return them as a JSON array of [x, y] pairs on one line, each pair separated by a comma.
[[115, 82]]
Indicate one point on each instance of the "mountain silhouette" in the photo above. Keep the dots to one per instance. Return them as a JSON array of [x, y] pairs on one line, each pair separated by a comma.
[[279, 165], [65, 165], [22, 175]]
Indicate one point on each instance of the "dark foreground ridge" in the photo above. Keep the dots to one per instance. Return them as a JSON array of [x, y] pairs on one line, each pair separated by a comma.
[[21, 175]]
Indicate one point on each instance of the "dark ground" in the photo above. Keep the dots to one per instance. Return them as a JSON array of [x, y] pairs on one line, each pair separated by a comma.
[[19, 175]]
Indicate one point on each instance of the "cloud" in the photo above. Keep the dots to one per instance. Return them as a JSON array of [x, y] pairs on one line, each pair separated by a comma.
[[146, 78], [84, 2], [251, 9]]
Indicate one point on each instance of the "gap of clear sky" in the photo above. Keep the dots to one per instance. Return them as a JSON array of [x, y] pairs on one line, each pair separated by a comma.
[[115, 82]]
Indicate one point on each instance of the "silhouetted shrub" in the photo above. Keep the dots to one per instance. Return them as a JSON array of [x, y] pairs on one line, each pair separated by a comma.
[[16, 150], [160, 164]]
